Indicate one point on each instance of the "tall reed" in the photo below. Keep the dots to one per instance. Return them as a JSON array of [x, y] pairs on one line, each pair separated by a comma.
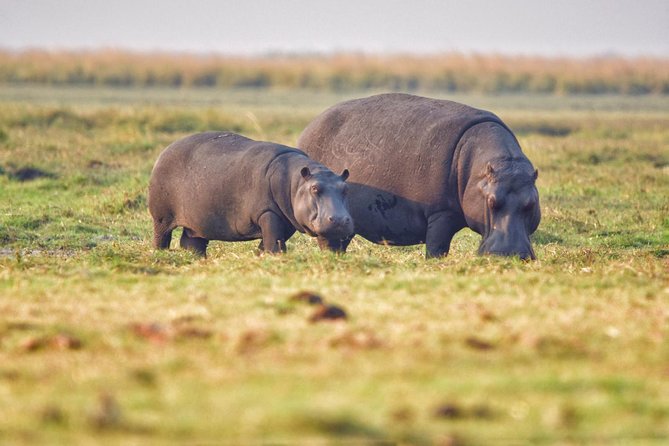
[[455, 72]]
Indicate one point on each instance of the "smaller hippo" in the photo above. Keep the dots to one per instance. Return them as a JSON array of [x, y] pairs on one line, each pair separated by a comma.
[[223, 186]]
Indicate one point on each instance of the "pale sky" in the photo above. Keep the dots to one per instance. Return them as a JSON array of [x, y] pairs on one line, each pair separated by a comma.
[[556, 27]]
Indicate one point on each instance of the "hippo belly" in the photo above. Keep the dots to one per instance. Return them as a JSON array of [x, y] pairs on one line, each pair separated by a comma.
[[216, 226], [226, 219], [385, 218]]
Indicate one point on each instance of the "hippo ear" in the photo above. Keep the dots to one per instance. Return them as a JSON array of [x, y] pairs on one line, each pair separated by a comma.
[[344, 175], [489, 170], [536, 174], [306, 173]]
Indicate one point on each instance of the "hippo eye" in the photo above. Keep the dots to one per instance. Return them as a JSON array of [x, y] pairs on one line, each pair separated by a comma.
[[315, 190], [529, 206]]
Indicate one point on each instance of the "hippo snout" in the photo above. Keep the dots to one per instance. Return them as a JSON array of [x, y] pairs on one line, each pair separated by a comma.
[[335, 232], [342, 221], [336, 226], [503, 246]]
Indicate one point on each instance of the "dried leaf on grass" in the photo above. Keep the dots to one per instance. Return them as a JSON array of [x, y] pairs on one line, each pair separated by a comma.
[[360, 339], [106, 414], [307, 297], [478, 344], [160, 334], [59, 341]]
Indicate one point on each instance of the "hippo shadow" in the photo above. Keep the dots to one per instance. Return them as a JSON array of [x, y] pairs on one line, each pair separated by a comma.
[[26, 173]]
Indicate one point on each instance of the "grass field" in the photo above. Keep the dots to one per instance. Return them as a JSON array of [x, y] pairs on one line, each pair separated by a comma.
[[103, 340]]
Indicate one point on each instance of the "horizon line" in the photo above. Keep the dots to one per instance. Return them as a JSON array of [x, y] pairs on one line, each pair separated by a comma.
[[297, 53]]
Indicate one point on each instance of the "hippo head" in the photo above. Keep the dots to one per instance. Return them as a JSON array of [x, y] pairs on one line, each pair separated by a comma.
[[321, 208], [510, 208]]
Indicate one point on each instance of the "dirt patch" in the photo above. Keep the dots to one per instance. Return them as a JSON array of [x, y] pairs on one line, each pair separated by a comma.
[[59, 341], [453, 411], [254, 340], [328, 313], [95, 164], [543, 129], [478, 344], [136, 202], [358, 339], [323, 311], [29, 173], [156, 333]]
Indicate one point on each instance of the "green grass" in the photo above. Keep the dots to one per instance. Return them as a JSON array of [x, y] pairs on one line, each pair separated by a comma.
[[572, 348]]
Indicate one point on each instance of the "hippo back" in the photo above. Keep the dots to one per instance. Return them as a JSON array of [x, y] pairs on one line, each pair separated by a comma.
[[394, 142]]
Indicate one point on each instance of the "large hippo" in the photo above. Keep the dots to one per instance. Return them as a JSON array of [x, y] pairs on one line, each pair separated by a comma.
[[223, 186], [425, 168]]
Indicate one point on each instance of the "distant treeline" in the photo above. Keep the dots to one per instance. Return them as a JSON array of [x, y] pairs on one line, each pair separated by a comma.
[[448, 72]]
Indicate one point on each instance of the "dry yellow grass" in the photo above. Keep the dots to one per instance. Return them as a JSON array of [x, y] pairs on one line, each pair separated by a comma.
[[445, 72]]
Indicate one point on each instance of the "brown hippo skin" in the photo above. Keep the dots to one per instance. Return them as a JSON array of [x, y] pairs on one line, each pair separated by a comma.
[[422, 169], [223, 186]]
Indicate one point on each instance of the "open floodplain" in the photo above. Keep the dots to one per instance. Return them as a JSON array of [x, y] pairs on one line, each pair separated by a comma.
[[104, 340]]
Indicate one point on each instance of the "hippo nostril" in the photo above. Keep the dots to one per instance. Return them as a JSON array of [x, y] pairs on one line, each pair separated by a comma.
[[332, 219]]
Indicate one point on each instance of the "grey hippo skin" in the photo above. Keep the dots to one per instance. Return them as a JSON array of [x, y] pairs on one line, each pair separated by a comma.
[[223, 186], [422, 169]]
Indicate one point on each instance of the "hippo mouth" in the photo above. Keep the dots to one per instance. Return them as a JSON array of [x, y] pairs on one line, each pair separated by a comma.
[[335, 237], [334, 229], [336, 234], [500, 246], [528, 255], [309, 231], [333, 244]]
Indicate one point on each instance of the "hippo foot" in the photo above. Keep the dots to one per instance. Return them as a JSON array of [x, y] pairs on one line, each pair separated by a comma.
[[278, 247], [197, 245]]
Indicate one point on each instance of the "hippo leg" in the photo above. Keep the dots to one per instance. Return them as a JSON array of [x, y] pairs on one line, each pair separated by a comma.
[[162, 235], [274, 233], [280, 243], [441, 227], [196, 244]]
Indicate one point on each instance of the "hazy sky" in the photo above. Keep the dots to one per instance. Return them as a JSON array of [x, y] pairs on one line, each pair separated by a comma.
[[568, 27]]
